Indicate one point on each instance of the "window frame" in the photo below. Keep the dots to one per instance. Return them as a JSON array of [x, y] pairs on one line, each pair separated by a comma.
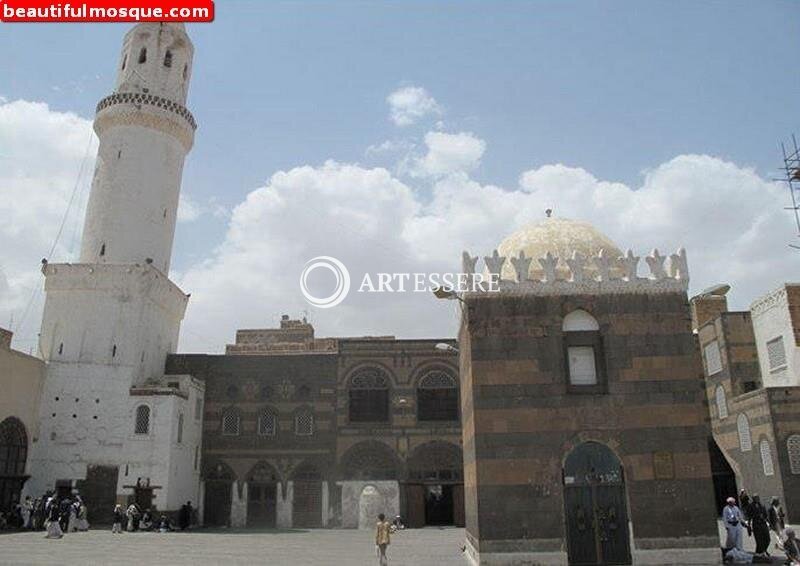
[[455, 389], [721, 395], [235, 413], [584, 338], [149, 430], [267, 411], [297, 416], [385, 391], [744, 446], [778, 367]]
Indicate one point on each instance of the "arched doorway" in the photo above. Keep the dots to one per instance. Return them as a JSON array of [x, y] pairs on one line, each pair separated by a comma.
[[722, 474], [219, 480], [371, 502], [307, 500], [435, 489], [13, 455], [262, 490], [370, 461], [595, 507]]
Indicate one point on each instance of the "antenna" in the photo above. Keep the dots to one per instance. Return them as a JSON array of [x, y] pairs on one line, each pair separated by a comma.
[[791, 167]]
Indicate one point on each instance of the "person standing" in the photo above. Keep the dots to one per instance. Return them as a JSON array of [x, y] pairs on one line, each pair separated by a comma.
[[27, 511], [53, 518], [119, 517], [745, 505], [82, 523], [382, 538], [760, 524], [777, 519], [733, 520]]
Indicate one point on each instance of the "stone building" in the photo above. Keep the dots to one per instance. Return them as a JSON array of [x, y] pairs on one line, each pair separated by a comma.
[[21, 378], [111, 425], [301, 431], [584, 424], [751, 363]]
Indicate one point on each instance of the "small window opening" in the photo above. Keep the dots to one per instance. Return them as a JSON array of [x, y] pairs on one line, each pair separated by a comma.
[[119, 154], [185, 71], [168, 59], [143, 55], [102, 250], [124, 61], [60, 348], [114, 351], [165, 213]]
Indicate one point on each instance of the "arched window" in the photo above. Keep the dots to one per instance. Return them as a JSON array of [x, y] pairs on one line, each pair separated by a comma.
[[142, 425], [13, 455], [766, 458], [743, 426], [304, 423], [232, 392], [793, 449], [437, 397], [13, 447], [230, 422], [722, 402], [583, 351], [369, 396], [267, 423], [168, 58], [180, 428], [143, 55]]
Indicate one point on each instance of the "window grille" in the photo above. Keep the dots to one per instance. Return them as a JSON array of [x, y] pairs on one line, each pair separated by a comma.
[[743, 426], [713, 358], [266, 423], [304, 424], [230, 423], [142, 425], [793, 448], [776, 354], [766, 458], [722, 403], [437, 397]]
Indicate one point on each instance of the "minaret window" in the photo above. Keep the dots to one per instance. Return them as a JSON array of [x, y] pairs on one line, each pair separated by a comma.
[[142, 424], [60, 348], [124, 61], [168, 59], [114, 351], [143, 55], [185, 70], [102, 250]]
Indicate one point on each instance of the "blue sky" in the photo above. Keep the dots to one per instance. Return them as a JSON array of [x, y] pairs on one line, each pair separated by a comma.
[[615, 88]]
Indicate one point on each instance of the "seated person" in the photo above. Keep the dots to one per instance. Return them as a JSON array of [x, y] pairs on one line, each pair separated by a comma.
[[791, 546], [147, 520], [163, 524]]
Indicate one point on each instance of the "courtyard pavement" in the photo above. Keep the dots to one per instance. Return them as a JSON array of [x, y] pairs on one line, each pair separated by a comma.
[[323, 547]]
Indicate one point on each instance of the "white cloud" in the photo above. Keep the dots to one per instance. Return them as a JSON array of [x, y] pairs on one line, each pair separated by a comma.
[[409, 104], [449, 153], [41, 152], [729, 218]]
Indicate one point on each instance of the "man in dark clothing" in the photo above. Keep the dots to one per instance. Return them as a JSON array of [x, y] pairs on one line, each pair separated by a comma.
[[185, 516], [64, 507], [759, 519]]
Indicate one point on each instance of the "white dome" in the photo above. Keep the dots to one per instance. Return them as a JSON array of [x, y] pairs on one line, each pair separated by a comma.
[[559, 236]]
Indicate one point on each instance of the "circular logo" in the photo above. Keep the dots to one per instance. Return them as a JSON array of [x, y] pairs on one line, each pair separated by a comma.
[[342, 281]]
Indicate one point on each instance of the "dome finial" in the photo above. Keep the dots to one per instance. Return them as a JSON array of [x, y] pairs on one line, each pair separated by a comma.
[[548, 212]]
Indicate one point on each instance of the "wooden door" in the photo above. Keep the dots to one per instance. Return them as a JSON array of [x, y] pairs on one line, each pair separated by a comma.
[[415, 506], [307, 504], [261, 503], [595, 508]]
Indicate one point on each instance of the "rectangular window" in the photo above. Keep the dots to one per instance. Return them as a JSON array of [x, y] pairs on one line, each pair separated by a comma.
[[776, 354], [369, 405], [582, 369], [713, 358]]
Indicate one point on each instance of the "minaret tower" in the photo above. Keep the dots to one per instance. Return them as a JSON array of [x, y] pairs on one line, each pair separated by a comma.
[[110, 320]]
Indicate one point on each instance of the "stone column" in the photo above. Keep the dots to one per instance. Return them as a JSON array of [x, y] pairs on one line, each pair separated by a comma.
[[238, 506], [201, 503], [325, 497], [284, 505]]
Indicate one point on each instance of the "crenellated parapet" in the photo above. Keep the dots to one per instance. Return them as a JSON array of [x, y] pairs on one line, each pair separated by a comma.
[[604, 273]]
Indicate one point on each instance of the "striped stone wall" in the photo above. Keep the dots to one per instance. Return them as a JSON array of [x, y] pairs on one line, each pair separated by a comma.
[[521, 421]]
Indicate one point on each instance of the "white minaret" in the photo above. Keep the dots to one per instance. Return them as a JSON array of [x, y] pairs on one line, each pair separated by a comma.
[[145, 133], [109, 321]]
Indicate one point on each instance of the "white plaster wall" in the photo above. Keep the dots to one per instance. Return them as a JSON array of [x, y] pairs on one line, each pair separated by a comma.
[[771, 318], [134, 199], [91, 308], [283, 511], [152, 76], [362, 512]]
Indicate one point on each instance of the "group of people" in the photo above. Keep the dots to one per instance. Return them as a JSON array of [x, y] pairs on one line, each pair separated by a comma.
[[749, 514], [134, 519], [69, 513]]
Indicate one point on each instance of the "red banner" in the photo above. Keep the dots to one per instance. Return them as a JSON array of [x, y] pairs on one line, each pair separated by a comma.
[[107, 11]]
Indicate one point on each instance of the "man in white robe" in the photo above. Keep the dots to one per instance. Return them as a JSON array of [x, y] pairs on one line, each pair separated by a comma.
[[733, 520]]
